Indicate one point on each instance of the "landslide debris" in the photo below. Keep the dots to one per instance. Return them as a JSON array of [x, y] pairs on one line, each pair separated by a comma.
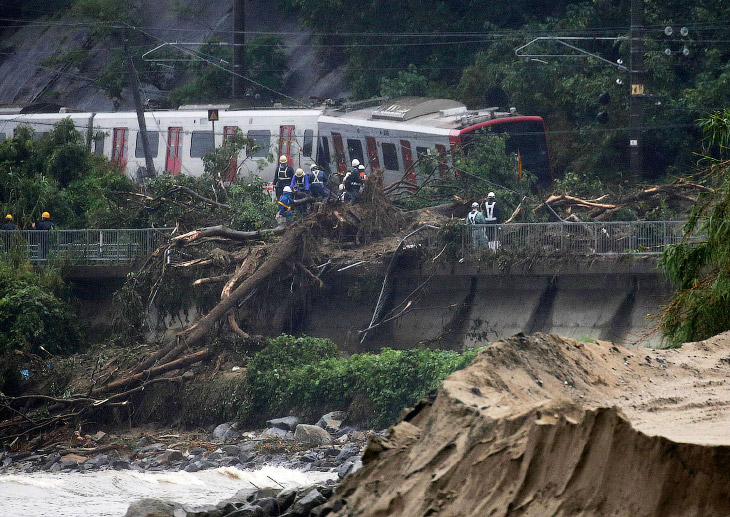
[[548, 426]]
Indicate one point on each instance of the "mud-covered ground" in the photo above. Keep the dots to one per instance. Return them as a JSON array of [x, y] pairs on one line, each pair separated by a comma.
[[548, 426]]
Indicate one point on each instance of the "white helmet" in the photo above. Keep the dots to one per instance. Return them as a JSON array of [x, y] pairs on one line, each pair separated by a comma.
[[475, 205], [287, 189], [355, 162], [341, 187], [491, 194], [361, 167], [283, 159]]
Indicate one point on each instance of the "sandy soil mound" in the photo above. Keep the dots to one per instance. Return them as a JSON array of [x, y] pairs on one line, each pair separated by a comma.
[[531, 428]]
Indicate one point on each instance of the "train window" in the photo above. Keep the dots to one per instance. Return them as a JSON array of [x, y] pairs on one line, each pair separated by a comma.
[[323, 153], [99, 144], [421, 152], [390, 157], [354, 149], [38, 135], [308, 142], [153, 139], [263, 142], [2, 137], [201, 143]]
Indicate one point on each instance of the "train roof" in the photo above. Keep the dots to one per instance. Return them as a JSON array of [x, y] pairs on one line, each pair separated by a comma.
[[423, 111]]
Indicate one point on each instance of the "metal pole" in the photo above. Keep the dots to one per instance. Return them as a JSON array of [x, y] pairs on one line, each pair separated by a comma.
[[636, 106], [239, 50], [134, 83]]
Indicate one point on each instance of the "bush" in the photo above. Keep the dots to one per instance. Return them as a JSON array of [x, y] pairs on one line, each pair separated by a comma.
[[305, 376], [32, 313]]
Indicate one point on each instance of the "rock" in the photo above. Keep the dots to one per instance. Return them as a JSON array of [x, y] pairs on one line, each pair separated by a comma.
[[142, 442], [71, 460], [332, 421], [226, 432], [193, 467], [267, 504], [170, 456], [348, 452], [303, 505], [285, 498], [53, 458], [275, 432], [197, 451], [245, 457], [287, 423], [151, 508], [120, 465], [214, 456], [248, 510], [311, 434], [231, 450], [188, 376]]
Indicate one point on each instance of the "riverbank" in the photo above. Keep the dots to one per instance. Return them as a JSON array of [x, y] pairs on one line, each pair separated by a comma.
[[197, 472]]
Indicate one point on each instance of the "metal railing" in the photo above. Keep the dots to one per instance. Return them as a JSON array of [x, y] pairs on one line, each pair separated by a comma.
[[590, 238], [86, 247]]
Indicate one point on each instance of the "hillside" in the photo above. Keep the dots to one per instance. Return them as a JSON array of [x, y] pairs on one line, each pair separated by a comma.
[[37, 63]]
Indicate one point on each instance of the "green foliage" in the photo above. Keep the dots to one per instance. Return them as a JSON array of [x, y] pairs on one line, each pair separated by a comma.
[[33, 313], [265, 64], [305, 376], [406, 82], [57, 174], [701, 267]]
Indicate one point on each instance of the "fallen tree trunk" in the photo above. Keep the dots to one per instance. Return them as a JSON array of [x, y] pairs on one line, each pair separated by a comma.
[[158, 370]]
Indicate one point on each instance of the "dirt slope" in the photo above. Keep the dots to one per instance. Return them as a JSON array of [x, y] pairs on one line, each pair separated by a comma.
[[550, 426]]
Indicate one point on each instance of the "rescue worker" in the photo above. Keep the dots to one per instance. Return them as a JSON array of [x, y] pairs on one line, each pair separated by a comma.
[[300, 187], [361, 172], [9, 224], [282, 176], [318, 183], [285, 204], [43, 236], [353, 182], [7, 227], [477, 233], [491, 215]]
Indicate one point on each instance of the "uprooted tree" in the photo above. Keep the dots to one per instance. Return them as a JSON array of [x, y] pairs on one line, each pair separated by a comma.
[[234, 264]]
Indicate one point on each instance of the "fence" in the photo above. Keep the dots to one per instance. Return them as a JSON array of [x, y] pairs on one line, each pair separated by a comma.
[[87, 247], [591, 238]]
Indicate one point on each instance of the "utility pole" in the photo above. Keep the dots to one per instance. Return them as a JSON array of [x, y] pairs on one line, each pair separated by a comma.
[[636, 103], [134, 83], [239, 50]]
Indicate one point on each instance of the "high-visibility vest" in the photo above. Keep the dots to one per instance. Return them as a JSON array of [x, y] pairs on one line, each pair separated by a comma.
[[282, 173], [472, 217], [489, 211]]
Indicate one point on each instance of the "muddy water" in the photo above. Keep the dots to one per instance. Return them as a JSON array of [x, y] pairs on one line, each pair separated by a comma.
[[110, 492]]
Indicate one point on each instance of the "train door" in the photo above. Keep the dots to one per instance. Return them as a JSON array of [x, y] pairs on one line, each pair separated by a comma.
[[339, 153], [372, 153], [405, 147], [119, 147], [286, 135], [173, 163], [230, 174]]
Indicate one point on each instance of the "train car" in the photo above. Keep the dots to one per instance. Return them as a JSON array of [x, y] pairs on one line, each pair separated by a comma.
[[42, 123], [392, 136], [180, 138]]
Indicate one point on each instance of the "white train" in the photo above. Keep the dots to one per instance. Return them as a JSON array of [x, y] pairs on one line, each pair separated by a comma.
[[390, 136]]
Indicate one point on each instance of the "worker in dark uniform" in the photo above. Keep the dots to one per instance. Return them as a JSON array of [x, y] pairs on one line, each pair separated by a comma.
[[300, 187], [42, 235], [282, 176], [7, 227], [353, 182], [9, 224], [490, 209], [318, 183]]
